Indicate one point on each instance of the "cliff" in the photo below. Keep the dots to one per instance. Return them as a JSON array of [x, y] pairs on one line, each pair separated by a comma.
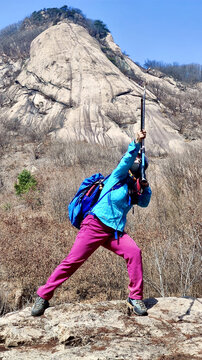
[[75, 88]]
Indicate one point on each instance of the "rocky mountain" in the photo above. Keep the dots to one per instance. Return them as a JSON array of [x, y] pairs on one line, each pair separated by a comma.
[[75, 87], [105, 331]]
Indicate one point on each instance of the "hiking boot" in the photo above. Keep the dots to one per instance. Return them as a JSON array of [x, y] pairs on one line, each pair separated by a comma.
[[138, 306], [39, 307]]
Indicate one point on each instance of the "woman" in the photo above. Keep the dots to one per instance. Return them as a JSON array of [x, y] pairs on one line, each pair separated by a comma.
[[105, 226]]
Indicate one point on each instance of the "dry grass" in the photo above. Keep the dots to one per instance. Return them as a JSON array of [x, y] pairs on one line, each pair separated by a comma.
[[172, 248], [36, 234]]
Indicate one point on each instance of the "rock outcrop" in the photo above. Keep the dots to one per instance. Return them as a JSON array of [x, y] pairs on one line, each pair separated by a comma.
[[105, 331], [70, 88]]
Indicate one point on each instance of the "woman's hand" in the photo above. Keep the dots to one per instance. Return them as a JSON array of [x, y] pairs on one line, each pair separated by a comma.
[[140, 136], [144, 183]]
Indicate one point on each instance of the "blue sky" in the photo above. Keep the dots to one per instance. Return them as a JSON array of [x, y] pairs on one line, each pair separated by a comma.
[[163, 30]]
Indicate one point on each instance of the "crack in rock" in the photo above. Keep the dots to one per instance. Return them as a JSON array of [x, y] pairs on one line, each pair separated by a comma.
[[187, 312], [69, 106], [40, 80]]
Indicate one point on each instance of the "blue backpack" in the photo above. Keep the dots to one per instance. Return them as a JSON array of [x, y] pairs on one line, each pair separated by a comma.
[[86, 197]]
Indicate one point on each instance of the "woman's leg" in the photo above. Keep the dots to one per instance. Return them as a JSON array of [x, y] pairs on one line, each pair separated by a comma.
[[126, 247], [91, 235]]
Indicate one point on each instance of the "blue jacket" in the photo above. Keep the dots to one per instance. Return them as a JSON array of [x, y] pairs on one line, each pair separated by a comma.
[[113, 208]]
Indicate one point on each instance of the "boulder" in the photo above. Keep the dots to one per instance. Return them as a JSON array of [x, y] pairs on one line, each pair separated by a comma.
[[105, 331]]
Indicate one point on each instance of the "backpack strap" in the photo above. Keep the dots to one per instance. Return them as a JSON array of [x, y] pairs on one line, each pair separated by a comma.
[[114, 187], [101, 198]]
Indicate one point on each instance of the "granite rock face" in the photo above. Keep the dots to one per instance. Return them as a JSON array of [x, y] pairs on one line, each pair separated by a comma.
[[105, 331], [70, 88]]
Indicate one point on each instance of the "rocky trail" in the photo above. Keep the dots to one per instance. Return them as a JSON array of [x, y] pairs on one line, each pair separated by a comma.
[[105, 331]]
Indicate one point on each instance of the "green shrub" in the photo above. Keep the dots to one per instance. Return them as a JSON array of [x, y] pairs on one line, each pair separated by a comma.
[[25, 183]]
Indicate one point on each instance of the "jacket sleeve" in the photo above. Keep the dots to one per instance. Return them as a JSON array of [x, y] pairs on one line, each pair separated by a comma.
[[127, 161], [145, 197]]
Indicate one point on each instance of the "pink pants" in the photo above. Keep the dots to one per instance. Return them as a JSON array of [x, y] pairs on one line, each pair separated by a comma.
[[92, 234]]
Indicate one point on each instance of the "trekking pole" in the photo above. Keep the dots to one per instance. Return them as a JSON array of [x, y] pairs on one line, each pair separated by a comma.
[[143, 176]]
